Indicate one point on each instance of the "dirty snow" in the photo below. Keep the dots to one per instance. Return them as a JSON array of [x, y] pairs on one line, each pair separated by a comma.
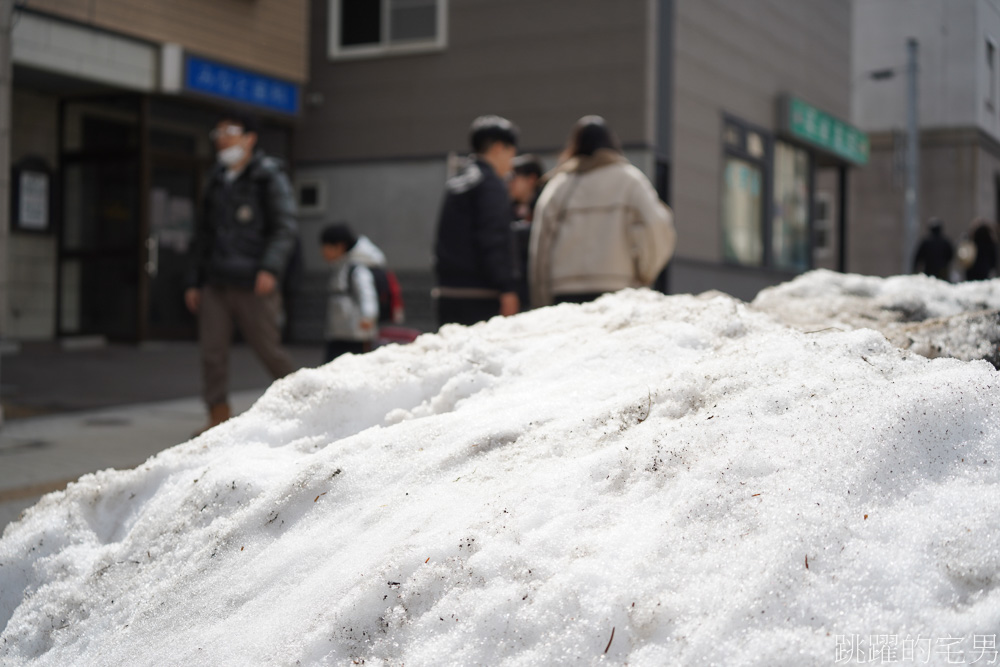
[[932, 317], [645, 480]]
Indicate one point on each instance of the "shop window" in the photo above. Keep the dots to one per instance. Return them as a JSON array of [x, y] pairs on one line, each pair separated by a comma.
[[365, 28], [311, 197], [790, 245], [742, 232], [746, 169]]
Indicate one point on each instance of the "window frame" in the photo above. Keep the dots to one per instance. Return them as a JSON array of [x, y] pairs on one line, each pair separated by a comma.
[[320, 187], [335, 51]]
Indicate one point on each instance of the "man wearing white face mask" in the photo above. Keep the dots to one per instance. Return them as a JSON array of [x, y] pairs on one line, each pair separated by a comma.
[[242, 244]]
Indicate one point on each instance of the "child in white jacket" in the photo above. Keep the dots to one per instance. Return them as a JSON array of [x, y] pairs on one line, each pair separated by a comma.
[[352, 306]]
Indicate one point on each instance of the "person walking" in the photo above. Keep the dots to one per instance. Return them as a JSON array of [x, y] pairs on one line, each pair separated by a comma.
[[242, 242], [352, 298], [473, 254], [935, 252], [599, 225]]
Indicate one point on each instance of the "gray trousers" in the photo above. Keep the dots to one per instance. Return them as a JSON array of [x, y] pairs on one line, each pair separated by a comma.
[[257, 317]]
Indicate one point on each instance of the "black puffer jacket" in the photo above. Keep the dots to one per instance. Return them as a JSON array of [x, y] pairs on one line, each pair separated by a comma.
[[473, 247], [246, 226]]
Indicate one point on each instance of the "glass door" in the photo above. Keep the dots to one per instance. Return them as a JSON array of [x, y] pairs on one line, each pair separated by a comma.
[[99, 235], [173, 200]]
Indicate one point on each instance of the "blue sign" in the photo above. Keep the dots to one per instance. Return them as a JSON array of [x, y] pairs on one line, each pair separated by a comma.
[[239, 85]]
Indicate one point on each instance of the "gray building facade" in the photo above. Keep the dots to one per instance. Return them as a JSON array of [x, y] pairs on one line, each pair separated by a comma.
[[380, 126], [674, 78], [959, 117], [734, 64]]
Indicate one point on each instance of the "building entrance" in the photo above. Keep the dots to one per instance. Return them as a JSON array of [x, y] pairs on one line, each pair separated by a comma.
[[131, 187], [132, 169], [98, 272]]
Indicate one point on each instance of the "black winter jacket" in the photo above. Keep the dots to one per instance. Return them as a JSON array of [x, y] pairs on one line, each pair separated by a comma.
[[473, 246], [246, 226]]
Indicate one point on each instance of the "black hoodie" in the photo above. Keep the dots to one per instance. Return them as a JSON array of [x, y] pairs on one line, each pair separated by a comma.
[[473, 246]]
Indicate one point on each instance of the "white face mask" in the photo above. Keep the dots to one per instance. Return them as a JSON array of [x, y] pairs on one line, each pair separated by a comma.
[[232, 156]]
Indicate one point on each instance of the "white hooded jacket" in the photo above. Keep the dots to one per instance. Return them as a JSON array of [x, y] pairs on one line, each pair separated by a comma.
[[351, 293]]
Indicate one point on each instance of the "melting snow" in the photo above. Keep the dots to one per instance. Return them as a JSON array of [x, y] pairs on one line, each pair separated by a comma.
[[645, 480]]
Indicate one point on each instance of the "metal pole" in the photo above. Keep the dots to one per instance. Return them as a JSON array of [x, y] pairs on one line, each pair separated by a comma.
[[911, 224]]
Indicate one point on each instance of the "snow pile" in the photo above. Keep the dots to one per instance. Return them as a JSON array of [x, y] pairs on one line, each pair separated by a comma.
[[645, 480], [929, 316]]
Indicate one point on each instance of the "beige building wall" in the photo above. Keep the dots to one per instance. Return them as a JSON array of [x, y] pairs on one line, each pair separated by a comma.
[[31, 295], [541, 64], [959, 115], [263, 35], [875, 244], [958, 169], [736, 58]]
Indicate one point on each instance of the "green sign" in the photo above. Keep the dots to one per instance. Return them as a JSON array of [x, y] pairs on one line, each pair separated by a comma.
[[823, 131]]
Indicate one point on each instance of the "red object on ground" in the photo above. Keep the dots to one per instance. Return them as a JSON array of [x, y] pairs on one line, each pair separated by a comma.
[[396, 334]]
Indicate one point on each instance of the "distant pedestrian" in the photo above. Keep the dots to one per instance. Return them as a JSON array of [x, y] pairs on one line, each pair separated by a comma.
[[935, 252], [984, 265], [599, 225], [352, 305], [473, 255], [243, 239], [524, 187]]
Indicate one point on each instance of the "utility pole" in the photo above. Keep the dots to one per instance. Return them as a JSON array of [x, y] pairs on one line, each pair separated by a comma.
[[911, 224]]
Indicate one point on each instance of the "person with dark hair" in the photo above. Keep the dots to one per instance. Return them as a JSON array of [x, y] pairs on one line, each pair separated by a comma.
[[599, 225], [934, 255], [984, 263], [486, 131], [523, 188], [524, 185], [242, 242], [352, 298], [473, 258]]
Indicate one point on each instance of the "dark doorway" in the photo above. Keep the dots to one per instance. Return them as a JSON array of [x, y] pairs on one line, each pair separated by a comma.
[[100, 215], [132, 169]]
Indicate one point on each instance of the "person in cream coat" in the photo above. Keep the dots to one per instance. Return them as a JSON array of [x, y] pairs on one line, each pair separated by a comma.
[[599, 225]]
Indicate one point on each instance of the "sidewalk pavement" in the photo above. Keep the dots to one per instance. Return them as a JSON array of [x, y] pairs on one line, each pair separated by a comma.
[[69, 412], [43, 454]]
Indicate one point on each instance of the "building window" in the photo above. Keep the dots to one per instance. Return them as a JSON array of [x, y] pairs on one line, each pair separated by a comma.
[[790, 221], [742, 232], [746, 168], [369, 28], [311, 197]]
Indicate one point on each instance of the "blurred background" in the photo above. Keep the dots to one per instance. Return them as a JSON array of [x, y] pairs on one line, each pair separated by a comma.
[[787, 135]]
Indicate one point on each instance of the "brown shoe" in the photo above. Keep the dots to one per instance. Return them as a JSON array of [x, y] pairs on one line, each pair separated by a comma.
[[217, 414]]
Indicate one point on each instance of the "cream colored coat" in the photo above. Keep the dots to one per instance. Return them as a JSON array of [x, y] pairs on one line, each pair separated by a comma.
[[598, 227]]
